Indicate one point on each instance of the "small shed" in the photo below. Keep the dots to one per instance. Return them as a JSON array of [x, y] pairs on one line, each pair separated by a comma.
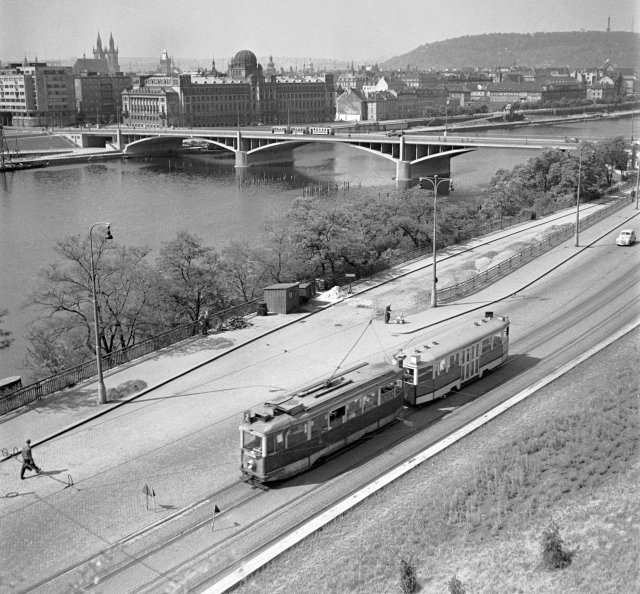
[[282, 297], [307, 290]]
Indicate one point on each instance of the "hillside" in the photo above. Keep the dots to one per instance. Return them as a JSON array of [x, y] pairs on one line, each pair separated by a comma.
[[579, 49]]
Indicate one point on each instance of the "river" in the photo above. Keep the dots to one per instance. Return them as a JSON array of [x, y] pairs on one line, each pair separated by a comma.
[[149, 201]]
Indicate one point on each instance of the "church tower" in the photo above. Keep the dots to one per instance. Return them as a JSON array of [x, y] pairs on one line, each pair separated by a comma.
[[108, 54], [112, 56]]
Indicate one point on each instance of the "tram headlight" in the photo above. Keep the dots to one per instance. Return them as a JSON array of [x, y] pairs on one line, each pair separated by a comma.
[[251, 465]]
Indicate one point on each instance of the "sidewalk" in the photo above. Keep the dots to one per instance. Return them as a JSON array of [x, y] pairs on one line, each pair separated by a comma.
[[176, 436]]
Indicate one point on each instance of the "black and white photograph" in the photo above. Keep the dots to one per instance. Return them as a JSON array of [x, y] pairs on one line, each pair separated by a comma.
[[319, 296]]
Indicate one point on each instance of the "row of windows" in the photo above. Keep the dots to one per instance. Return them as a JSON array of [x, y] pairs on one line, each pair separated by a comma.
[[454, 361], [311, 429]]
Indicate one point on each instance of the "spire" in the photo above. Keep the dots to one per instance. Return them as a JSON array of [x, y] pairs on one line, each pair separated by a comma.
[[609, 25]]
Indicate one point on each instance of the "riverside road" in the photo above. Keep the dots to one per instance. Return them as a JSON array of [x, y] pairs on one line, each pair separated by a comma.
[[180, 436]]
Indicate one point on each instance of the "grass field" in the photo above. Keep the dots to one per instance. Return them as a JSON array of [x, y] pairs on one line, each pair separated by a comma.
[[568, 454]]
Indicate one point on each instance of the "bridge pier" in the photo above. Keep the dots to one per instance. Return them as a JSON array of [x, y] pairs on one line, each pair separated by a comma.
[[242, 159], [403, 170]]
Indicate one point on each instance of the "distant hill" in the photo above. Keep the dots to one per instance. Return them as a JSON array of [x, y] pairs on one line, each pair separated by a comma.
[[579, 49]]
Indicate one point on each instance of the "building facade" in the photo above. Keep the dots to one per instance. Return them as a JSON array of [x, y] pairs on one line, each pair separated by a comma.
[[37, 95], [98, 96], [243, 97]]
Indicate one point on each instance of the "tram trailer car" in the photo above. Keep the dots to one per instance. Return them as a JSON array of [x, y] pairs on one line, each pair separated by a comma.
[[289, 434], [455, 358]]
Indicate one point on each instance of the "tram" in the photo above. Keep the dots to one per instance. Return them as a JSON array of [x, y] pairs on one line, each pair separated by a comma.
[[290, 433], [455, 358], [322, 130]]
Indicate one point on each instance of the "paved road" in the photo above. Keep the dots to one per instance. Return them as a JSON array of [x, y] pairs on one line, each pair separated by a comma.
[[169, 437]]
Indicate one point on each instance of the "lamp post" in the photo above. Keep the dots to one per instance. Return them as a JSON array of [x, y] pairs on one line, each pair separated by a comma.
[[435, 182], [102, 392], [446, 116], [578, 199]]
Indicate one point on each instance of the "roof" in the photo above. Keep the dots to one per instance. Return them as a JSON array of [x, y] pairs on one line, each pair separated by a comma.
[[456, 339], [280, 286], [280, 412]]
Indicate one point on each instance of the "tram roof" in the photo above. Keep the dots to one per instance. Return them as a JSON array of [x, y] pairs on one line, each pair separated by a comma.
[[281, 411], [442, 345]]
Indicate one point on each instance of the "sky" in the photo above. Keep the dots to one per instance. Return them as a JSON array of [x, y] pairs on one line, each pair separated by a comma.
[[335, 29]]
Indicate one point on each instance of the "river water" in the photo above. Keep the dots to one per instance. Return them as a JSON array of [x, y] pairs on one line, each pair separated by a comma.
[[149, 201]]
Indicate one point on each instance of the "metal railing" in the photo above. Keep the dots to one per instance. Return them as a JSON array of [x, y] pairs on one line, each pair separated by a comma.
[[74, 375], [507, 266]]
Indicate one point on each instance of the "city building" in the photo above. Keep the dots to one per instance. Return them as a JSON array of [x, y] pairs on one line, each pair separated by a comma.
[[35, 94], [244, 96], [98, 96]]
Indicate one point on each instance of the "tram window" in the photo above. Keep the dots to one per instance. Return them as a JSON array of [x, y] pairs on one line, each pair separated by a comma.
[[454, 360], [353, 408], [442, 366], [318, 425], [251, 441], [497, 340], [369, 401], [486, 344], [408, 376], [425, 374], [297, 434], [275, 443], [336, 417], [387, 393]]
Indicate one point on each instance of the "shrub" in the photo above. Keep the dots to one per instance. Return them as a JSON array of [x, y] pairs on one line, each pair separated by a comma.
[[408, 580], [553, 554], [456, 586]]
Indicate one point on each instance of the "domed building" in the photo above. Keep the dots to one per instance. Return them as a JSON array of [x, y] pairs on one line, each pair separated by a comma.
[[245, 96], [244, 65]]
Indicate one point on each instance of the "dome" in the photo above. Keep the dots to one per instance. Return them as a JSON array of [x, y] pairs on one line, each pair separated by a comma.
[[245, 59]]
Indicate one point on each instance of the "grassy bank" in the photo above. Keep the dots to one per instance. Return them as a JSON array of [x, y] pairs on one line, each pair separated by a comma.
[[569, 454]]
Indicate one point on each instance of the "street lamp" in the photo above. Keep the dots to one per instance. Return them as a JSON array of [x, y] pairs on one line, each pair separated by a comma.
[[435, 182], [102, 392]]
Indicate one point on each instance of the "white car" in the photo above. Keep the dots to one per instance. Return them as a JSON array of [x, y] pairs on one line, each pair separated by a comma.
[[626, 237]]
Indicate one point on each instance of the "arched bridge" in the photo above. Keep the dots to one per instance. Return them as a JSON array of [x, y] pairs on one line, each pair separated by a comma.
[[405, 150]]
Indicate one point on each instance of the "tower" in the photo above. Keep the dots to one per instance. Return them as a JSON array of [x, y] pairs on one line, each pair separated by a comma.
[[166, 63], [109, 54]]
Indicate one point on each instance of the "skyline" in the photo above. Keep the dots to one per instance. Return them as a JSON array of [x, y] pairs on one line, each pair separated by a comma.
[[329, 29]]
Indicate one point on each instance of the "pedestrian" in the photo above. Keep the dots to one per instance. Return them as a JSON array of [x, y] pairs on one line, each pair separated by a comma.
[[204, 322], [387, 313], [27, 460]]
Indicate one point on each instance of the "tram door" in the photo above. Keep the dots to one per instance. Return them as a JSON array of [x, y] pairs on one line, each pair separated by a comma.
[[469, 362]]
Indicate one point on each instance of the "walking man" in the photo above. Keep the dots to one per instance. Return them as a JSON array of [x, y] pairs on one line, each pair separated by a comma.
[[27, 460], [387, 313]]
